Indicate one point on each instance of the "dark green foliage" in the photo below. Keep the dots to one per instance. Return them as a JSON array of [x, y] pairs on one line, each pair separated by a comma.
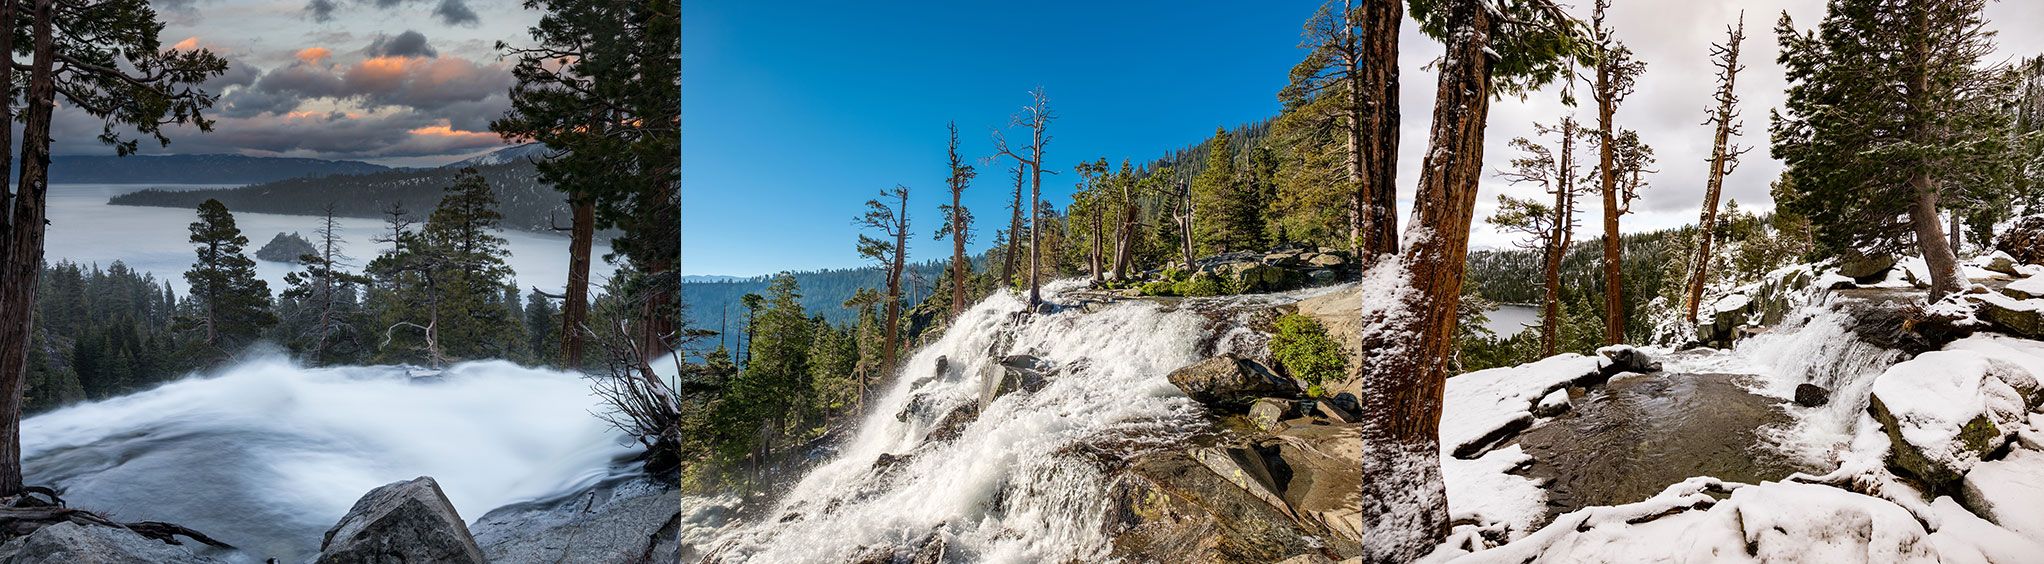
[[1204, 284], [1229, 206], [100, 333], [285, 247], [443, 288], [230, 306], [1303, 348]]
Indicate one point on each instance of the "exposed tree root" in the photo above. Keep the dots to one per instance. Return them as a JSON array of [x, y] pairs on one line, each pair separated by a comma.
[[37, 507]]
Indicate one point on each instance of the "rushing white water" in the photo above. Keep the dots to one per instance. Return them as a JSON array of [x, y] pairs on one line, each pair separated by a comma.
[[1015, 484], [1814, 345], [266, 455]]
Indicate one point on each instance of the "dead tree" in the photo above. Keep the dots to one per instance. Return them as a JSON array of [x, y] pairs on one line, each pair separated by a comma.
[[1037, 117], [1724, 154], [958, 224]]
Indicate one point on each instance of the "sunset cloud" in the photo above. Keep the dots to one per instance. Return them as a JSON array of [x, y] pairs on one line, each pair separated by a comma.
[[188, 44], [313, 55]]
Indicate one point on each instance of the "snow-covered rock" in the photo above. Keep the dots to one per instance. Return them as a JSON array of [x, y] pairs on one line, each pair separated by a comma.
[[1554, 403], [2009, 492], [1944, 410], [1487, 405]]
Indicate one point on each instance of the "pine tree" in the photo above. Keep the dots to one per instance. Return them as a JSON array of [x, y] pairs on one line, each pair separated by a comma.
[[891, 254], [321, 286], [1551, 227], [1037, 117], [1615, 71], [1233, 215], [957, 223], [1888, 105], [1349, 80], [232, 305]]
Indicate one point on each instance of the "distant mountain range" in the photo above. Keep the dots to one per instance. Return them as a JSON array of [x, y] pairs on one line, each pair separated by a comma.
[[196, 169]]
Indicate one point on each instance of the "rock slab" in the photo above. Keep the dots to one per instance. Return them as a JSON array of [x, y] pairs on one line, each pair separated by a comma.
[[72, 543]]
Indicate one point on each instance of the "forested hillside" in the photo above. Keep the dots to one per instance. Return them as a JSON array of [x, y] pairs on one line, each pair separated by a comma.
[[824, 292], [527, 203], [196, 169]]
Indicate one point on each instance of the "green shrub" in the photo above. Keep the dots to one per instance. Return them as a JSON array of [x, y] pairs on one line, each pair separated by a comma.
[[1159, 288], [1174, 275], [1203, 285], [1303, 348]]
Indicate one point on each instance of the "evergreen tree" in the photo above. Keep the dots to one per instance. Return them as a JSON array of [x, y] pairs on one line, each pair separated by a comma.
[[543, 330], [890, 253], [1232, 215], [1888, 106], [231, 305]]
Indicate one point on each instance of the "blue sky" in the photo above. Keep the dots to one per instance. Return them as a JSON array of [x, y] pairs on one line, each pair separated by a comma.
[[794, 117]]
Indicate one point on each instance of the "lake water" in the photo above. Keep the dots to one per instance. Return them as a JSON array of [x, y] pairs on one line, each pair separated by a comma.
[[85, 230], [1510, 319]]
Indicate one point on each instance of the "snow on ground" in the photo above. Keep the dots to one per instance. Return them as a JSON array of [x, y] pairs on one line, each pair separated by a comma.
[[1858, 513], [1480, 405]]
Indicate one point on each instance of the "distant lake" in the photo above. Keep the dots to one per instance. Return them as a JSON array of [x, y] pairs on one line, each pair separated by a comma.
[[85, 230], [1509, 319]]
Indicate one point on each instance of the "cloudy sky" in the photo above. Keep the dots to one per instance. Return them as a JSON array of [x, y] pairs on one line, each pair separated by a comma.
[[397, 82], [796, 117]]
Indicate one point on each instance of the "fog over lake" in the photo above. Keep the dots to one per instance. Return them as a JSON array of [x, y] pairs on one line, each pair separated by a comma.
[[85, 230]]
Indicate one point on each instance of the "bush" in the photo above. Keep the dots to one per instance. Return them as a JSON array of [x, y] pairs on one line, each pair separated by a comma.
[[1303, 348], [1203, 285], [1159, 288]]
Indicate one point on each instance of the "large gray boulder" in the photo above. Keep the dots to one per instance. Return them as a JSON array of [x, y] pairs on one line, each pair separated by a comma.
[[72, 543], [1860, 266], [401, 522], [1230, 383], [627, 521]]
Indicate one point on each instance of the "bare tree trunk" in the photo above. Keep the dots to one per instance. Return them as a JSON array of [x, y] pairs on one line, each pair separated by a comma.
[[1945, 279], [1614, 285], [1378, 78], [1014, 231], [575, 306], [1185, 220], [958, 261], [1559, 241], [1035, 228], [1099, 213], [1723, 158], [1124, 234], [893, 346], [1404, 502], [24, 248]]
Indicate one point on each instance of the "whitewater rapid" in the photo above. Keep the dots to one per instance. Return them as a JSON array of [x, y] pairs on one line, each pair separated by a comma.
[[266, 455], [1021, 482]]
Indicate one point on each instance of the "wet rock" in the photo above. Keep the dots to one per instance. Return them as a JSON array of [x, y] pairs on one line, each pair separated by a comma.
[[1812, 395], [1168, 507], [1327, 260], [1267, 412], [917, 405], [2024, 240], [1230, 383], [1014, 372], [953, 423], [1863, 267], [631, 520], [1254, 278], [68, 543], [1554, 403], [409, 521]]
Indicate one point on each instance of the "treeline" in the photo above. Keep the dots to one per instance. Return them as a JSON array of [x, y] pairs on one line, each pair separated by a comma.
[[527, 202], [437, 291]]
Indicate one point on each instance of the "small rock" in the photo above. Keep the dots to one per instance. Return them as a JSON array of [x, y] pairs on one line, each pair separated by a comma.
[[409, 521], [1627, 358], [1554, 403], [1266, 412], [2001, 262], [1326, 260], [1812, 395], [1014, 372]]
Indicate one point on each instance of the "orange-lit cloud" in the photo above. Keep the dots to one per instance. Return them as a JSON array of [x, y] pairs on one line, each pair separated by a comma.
[[188, 44], [447, 132], [311, 55]]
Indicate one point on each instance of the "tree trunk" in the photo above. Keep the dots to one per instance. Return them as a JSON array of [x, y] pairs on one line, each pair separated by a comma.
[[958, 264], [1379, 108], [1614, 286], [1404, 502], [1099, 216], [1035, 222], [1945, 279], [575, 306], [24, 248], [1014, 231], [1185, 225], [894, 272], [1705, 226], [1124, 236]]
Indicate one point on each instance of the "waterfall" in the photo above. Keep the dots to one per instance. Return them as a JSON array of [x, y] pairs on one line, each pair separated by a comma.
[[266, 455], [1815, 344], [1021, 482]]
